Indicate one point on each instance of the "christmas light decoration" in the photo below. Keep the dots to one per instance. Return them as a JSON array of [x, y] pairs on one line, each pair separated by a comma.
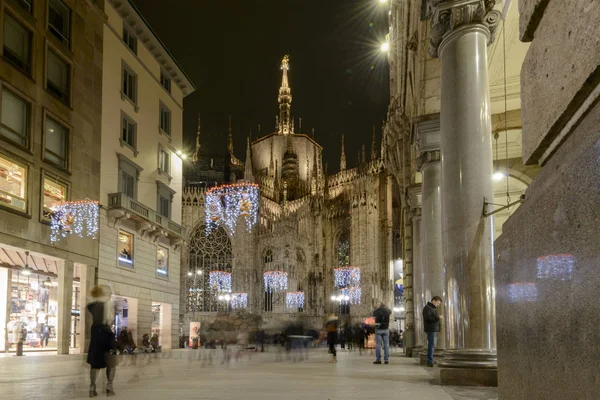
[[220, 281], [294, 299], [239, 300], [275, 280], [74, 217], [227, 203], [351, 295], [347, 277]]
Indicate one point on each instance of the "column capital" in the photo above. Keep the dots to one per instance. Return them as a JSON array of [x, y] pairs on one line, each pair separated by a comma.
[[449, 15], [427, 158]]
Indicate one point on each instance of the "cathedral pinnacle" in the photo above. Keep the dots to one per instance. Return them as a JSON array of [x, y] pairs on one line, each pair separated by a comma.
[[373, 146], [230, 138], [196, 155], [285, 100], [248, 176], [343, 157]]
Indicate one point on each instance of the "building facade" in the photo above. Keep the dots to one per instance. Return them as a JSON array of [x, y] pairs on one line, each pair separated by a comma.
[[321, 243], [141, 175], [51, 84]]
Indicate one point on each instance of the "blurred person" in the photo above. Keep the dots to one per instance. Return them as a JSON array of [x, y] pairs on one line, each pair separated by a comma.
[[382, 333], [349, 334], [331, 327], [360, 338], [102, 339]]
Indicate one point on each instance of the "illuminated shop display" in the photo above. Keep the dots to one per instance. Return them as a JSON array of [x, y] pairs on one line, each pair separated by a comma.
[[13, 183]]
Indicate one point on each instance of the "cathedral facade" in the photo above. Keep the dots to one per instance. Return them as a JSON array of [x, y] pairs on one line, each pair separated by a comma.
[[321, 243]]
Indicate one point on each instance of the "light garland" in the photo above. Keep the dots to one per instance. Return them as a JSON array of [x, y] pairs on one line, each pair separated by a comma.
[[275, 280], [239, 300], [351, 295], [346, 277], [219, 281], [227, 203], [74, 217], [294, 299]]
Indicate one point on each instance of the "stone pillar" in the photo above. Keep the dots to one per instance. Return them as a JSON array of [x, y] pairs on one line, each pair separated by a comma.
[[65, 303], [431, 221], [87, 281], [460, 33], [414, 194]]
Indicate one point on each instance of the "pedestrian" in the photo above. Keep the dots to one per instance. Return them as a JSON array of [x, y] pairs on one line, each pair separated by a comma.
[[331, 327], [360, 338], [102, 339], [382, 333], [431, 322], [45, 335]]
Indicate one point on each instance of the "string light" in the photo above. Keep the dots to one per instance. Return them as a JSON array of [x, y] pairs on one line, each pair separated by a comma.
[[74, 217], [220, 281], [294, 299], [346, 277], [239, 300], [275, 280], [351, 295], [227, 203]]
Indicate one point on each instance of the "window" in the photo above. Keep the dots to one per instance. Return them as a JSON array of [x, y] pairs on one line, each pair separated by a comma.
[[130, 84], [14, 119], [165, 81], [128, 131], [57, 144], [26, 4], [125, 249], [165, 197], [165, 119], [59, 20], [164, 160], [13, 183], [162, 261], [343, 249], [129, 174], [17, 44], [54, 192], [58, 80], [130, 40]]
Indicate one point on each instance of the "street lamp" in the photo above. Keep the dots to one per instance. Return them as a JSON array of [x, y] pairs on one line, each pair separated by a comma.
[[385, 46]]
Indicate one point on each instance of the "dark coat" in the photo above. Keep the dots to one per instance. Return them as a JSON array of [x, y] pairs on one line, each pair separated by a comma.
[[431, 319], [382, 318], [102, 340]]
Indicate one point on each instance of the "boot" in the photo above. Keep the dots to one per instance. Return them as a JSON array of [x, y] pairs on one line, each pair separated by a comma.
[[109, 390], [334, 360], [93, 392]]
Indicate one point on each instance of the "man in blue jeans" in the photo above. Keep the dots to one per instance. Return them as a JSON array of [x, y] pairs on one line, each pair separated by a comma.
[[382, 332], [431, 321]]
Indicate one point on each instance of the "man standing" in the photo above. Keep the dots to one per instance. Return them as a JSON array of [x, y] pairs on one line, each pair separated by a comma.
[[382, 332], [432, 320]]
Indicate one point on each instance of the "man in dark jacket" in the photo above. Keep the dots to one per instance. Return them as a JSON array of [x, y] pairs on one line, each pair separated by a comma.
[[382, 332], [431, 321]]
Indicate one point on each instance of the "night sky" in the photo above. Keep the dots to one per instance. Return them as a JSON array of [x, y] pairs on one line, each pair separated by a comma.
[[232, 52]]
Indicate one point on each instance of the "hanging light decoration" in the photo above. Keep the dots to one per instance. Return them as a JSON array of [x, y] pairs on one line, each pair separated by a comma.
[[220, 281], [351, 295], [275, 280], [227, 203], [294, 299], [346, 277], [239, 300], [74, 217]]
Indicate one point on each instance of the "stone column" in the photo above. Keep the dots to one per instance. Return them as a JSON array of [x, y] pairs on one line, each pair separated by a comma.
[[414, 193], [431, 221], [460, 33], [65, 303], [87, 281]]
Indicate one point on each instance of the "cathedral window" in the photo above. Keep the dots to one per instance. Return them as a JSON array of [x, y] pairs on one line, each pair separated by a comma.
[[343, 249]]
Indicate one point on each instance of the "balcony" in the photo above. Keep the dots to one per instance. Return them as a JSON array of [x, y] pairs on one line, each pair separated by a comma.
[[149, 220]]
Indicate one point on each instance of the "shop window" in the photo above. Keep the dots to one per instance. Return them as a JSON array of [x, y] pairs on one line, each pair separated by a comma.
[[14, 124], [54, 192], [129, 39], [58, 81], [165, 81], [165, 120], [13, 184], [59, 20], [162, 261], [17, 44], [125, 249], [57, 144]]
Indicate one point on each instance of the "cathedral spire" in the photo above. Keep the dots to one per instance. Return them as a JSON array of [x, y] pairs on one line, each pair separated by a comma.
[[285, 99], [196, 155], [343, 157], [363, 155], [373, 146], [230, 138], [271, 164], [248, 176]]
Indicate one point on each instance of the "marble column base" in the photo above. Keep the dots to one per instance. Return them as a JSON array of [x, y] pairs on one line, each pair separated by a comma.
[[468, 377], [409, 341], [416, 351], [469, 367], [438, 355]]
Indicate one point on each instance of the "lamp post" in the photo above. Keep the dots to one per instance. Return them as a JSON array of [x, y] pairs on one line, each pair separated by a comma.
[[226, 298]]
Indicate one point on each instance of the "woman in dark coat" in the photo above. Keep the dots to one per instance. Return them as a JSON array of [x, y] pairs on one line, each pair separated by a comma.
[[102, 339]]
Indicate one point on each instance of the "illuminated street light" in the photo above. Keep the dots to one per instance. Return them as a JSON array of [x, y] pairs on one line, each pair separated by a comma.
[[183, 157], [190, 273], [333, 298], [199, 272], [179, 152], [385, 46], [498, 175], [383, 1]]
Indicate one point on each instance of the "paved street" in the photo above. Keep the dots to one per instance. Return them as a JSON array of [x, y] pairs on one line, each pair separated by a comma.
[[180, 375]]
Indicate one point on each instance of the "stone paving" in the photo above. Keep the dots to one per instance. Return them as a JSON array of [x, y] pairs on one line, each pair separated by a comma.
[[181, 374]]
